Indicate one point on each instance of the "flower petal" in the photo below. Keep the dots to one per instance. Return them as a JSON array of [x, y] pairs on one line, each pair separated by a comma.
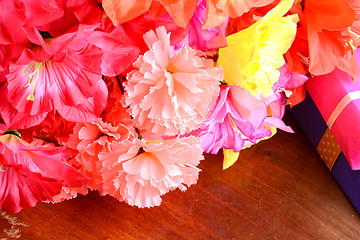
[[120, 11]]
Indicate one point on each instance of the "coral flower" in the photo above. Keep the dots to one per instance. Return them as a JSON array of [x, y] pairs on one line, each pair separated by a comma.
[[171, 94], [254, 54], [139, 172], [121, 11], [91, 138], [32, 173], [115, 113], [219, 10], [332, 35], [68, 193]]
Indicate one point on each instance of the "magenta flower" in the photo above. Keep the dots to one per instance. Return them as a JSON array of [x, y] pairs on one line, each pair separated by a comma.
[[290, 80], [193, 35], [238, 119]]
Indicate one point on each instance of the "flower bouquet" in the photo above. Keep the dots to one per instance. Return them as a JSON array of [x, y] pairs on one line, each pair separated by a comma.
[[124, 97]]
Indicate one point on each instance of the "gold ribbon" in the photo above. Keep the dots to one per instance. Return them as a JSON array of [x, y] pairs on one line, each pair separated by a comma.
[[328, 149]]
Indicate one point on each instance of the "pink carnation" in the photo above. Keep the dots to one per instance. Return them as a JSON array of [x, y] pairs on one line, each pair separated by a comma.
[[89, 139], [67, 193], [171, 94], [139, 171]]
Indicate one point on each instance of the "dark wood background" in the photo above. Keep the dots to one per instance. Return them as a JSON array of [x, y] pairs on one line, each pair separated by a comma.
[[278, 189]]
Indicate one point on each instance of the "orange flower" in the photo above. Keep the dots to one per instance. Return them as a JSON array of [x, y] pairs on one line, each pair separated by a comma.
[[331, 40], [120, 11], [328, 14], [218, 10]]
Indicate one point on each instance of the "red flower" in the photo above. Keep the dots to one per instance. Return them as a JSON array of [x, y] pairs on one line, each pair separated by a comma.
[[33, 173]]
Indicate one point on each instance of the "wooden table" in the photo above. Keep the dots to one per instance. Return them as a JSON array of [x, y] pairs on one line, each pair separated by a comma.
[[278, 189]]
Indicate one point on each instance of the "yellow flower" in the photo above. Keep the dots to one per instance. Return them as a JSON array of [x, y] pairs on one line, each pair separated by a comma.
[[254, 54]]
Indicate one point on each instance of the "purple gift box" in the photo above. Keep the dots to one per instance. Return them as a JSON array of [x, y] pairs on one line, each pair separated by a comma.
[[315, 128]]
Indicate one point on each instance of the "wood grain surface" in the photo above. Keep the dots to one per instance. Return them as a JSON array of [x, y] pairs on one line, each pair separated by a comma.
[[278, 189]]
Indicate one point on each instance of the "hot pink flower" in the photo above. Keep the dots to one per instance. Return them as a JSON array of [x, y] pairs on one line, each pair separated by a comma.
[[51, 67], [139, 172], [37, 87], [32, 173], [171, 94], [11, 116]]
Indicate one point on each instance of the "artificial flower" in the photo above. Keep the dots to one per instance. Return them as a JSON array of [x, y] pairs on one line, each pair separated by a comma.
[[193, 35], [134, 30], [292, 84], [121, 11], [115, 112], [140, 171], [170, 94], [37, 87], [12, 117], [219, 10], [67, 193], [290, 80], [32, 173], [331, 36], [91, 138], [236, 118], [53, 128], [254, 54]]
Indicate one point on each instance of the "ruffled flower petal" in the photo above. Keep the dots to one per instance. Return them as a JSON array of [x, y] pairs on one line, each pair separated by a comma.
[[13, 118], [141, 172], [89, 139], [170, 94]]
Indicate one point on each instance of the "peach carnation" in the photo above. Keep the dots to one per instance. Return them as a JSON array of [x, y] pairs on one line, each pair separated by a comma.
[[67, 193], [140, 171], [171, 94], [89, 139]]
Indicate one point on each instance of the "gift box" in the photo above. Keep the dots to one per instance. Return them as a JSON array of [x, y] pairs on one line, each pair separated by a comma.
[[330, 118]]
